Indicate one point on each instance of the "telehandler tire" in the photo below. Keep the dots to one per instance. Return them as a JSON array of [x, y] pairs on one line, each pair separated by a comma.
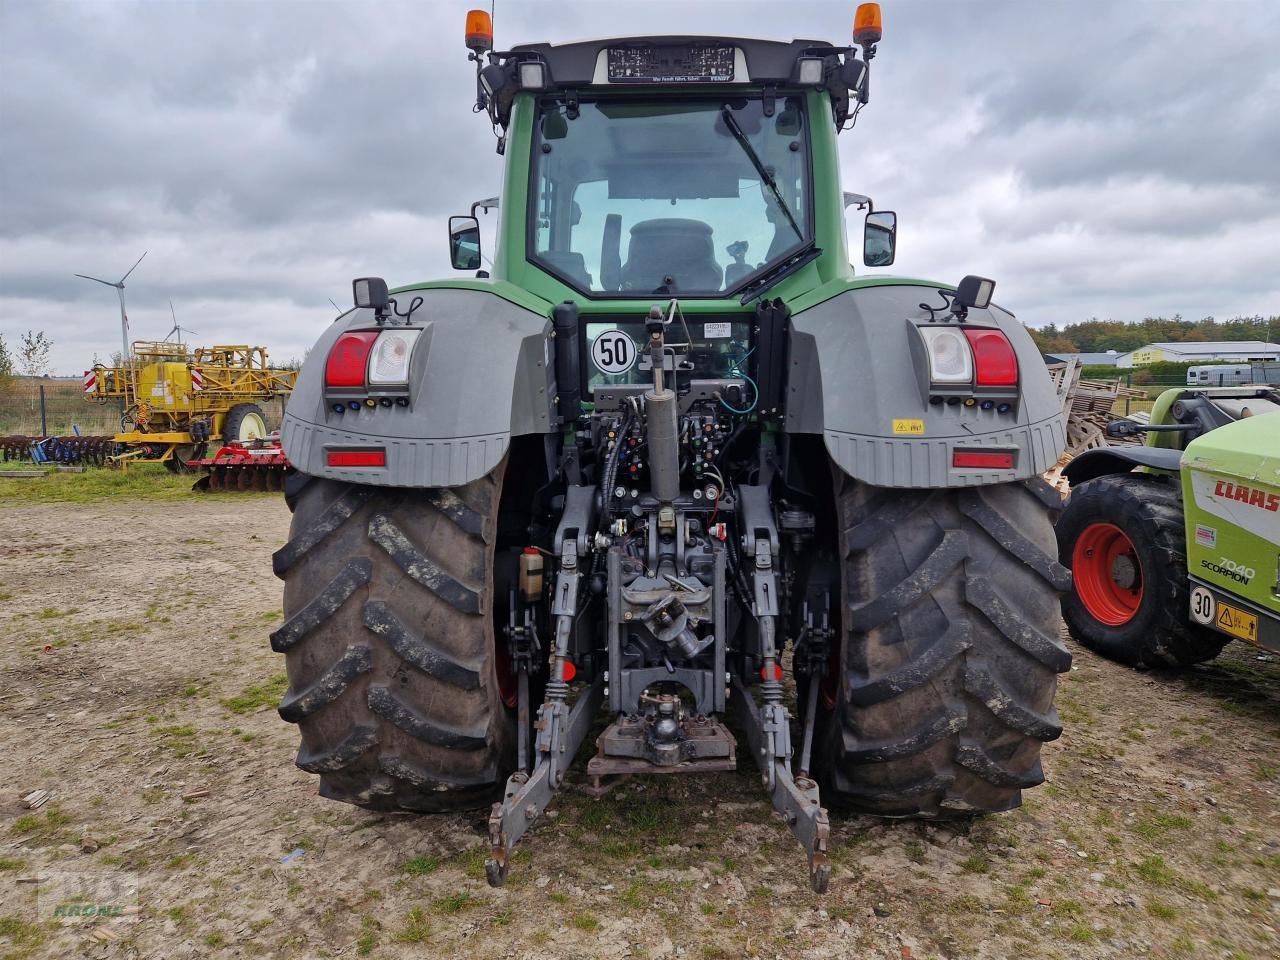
[[1124, 539], [388, 640], [950, 649]]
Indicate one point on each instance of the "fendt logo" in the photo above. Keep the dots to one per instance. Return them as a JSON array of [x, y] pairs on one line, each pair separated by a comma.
[[1254, 498]]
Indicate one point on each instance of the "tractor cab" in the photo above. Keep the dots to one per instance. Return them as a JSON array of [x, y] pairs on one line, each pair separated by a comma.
[[682, 166]]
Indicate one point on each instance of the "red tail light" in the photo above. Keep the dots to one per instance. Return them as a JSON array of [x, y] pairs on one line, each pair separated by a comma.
[[349, 359], [995, 364], [989, 461], [357, 458]]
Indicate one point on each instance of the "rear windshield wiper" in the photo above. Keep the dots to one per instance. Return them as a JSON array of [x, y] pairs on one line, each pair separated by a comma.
[[784, 268], [761, 169]]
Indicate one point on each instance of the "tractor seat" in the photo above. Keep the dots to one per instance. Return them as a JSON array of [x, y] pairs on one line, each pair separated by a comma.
[[671, 247], [572, 265]]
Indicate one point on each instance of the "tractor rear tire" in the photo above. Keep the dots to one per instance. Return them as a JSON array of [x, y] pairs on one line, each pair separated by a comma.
[[1148, 624], [244, 421], [388, 640], [950, 649]]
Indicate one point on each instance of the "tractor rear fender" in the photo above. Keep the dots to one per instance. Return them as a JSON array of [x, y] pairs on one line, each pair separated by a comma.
[[478, 376], [856, 378], [1105, 461]]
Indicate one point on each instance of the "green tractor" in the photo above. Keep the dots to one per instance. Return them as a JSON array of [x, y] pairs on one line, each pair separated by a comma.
[[666, 450], [1174, 546]]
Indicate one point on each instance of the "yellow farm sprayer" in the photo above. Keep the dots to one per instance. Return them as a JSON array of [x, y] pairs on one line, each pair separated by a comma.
[[175, 401], [177, 404]]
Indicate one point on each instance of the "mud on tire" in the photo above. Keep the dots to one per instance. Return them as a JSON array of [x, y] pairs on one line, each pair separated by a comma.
[[388, 640], [1160, 633], [950, 649]]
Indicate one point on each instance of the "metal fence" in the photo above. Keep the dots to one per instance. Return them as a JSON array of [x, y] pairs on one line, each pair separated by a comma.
[[56, 407]]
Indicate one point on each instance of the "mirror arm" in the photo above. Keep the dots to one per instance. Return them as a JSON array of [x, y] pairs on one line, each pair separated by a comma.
[[486, 205]]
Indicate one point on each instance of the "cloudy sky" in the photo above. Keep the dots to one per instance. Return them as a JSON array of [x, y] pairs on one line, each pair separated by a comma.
[[1116, 160]]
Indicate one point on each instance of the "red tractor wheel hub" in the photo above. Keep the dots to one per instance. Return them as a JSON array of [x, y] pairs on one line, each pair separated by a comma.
[[1107, 574]]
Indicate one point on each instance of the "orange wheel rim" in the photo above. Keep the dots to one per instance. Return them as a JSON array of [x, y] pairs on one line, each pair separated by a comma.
[[1107, 574]]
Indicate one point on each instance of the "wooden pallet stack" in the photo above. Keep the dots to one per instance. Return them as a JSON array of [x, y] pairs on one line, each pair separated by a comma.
[[1088, 404]]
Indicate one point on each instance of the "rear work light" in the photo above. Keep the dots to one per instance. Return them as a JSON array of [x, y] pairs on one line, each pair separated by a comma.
[[349, 359], [993, 358], [389, 361], [982, 460], [950, 360], [356, 458]]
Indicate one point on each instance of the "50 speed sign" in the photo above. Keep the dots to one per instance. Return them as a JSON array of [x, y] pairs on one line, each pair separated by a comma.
[[613, 352]]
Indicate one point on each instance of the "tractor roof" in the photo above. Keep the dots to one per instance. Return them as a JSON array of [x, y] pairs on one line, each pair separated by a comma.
[[675, 58]]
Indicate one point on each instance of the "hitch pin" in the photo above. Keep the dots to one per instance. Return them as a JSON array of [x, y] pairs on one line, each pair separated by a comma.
[[677, 583]]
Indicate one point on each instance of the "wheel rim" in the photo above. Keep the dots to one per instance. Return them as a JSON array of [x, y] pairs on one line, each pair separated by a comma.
[[251, 428], [1107, 574]]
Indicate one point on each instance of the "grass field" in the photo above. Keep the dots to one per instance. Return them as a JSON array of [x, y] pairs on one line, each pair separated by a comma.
[[142, 481]]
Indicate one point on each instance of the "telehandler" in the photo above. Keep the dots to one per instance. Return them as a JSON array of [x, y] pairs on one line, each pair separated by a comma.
[[1175, 545]]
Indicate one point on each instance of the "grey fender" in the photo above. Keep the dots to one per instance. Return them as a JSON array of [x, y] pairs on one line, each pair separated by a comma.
[[853, 372], [478, 376]]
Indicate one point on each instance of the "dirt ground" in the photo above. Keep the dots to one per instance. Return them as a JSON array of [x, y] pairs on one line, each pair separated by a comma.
[[137, 676]]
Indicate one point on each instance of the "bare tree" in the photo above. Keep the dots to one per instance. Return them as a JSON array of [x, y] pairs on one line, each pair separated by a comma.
[[33, 357], [33, 353]]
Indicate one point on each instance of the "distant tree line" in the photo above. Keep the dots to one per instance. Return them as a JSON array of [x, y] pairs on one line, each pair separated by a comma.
[[1098, 336]]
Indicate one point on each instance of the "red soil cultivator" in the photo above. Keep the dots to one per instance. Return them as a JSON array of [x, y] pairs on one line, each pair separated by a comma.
[[250, 465]]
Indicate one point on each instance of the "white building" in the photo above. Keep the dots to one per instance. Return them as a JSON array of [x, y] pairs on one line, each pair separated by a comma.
[[1222, 351]]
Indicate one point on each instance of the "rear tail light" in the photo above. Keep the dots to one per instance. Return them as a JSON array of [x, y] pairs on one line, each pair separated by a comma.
[[349, 359], [993, 358], [982, 460], [356, 458], [950, 360], [389, 361], [371, 358]]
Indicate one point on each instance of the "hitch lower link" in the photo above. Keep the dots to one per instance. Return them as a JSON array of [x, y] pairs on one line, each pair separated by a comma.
[[768, 731], [560, 731]]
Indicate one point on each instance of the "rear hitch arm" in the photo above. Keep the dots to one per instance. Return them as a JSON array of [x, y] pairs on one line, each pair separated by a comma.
[[561, 731], [768, 731], [768, 734]]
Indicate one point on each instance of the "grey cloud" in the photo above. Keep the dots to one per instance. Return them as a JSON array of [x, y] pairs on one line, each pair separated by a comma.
[[1115, 159]]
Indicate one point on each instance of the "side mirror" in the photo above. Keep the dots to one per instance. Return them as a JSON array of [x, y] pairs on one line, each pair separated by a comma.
[[879, 237], [464, 243]]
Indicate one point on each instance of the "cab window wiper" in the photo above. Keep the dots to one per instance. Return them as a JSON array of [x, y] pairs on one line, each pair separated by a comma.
[[761, 169], [784, 268]]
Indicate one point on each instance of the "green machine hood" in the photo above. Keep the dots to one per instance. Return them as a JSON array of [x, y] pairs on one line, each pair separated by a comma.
[[1231, 490]]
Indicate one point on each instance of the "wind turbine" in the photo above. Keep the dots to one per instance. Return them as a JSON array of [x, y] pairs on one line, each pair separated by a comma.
[[124, 318], [176, 327]]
